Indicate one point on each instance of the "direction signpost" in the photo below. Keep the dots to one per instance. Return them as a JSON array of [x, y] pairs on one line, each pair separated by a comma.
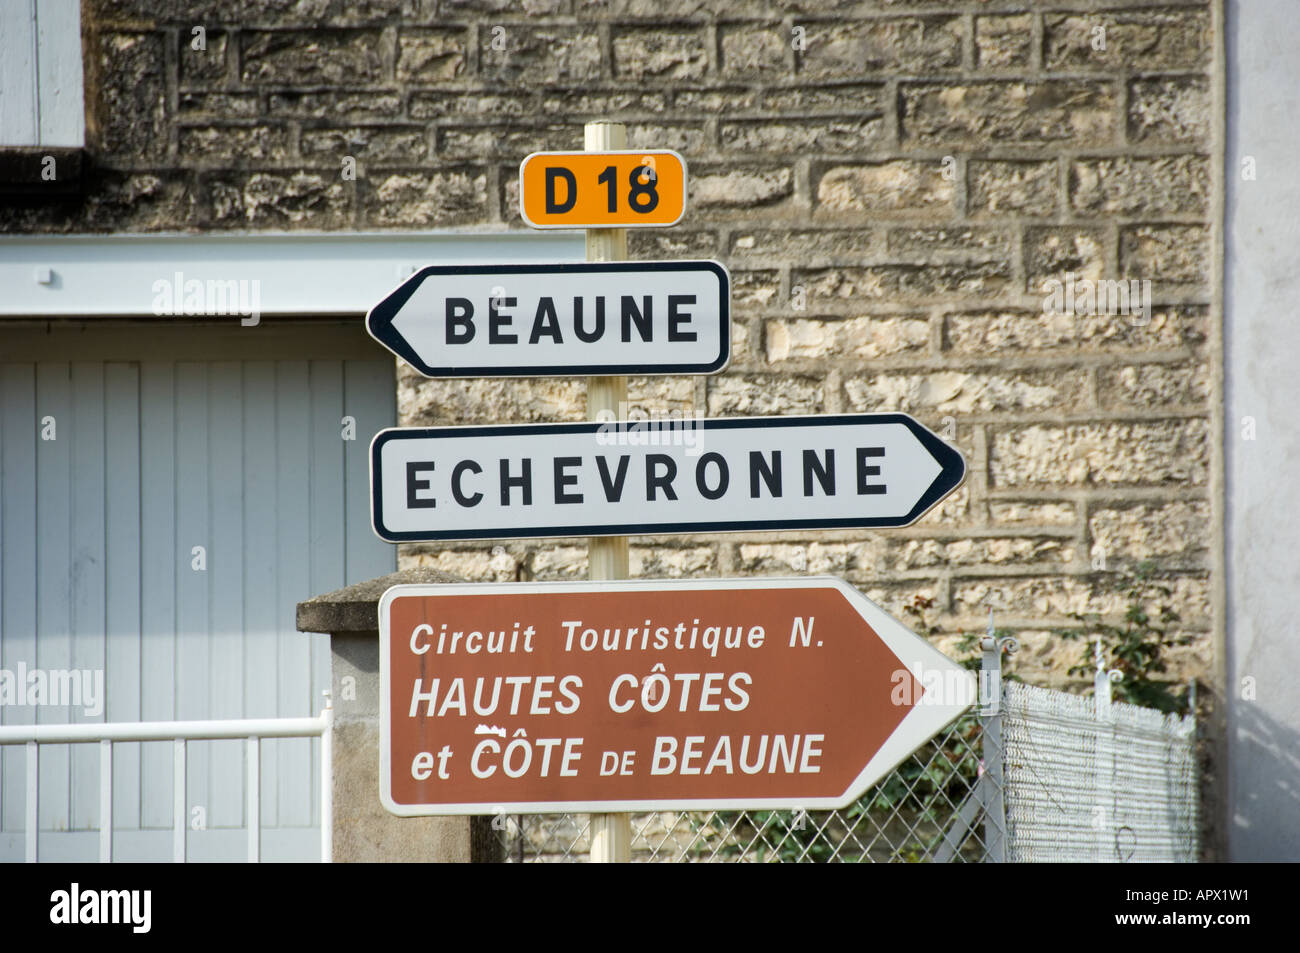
[[651, 317], [649, 695], [614, 695]]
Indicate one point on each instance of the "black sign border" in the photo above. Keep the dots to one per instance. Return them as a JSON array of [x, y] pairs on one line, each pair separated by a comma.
[[951, 476], [379, 320]]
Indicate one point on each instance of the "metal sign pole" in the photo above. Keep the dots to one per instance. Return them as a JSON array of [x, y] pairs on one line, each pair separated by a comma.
[[611, 834]]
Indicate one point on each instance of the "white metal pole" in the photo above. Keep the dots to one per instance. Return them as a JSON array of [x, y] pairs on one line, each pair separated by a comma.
[[106, 801], [254, 793], [611, 834], [1103, 811], [120, 731], [33, 801], [327, 782], [178, 801]]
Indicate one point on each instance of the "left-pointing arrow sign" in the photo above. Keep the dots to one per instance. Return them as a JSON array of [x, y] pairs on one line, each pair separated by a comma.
[[588, 318]]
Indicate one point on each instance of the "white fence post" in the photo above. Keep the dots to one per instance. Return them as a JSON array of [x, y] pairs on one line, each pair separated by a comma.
[[1103, 817], [992, 783], [33, 800], [106, 801], [178, 801], [327, 782], [254, 794]]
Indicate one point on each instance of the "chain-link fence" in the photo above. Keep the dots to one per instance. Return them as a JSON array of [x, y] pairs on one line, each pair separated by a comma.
[[902, 818], [1042, 775]]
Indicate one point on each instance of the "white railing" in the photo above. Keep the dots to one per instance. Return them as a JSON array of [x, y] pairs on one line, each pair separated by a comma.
[[252, 730]]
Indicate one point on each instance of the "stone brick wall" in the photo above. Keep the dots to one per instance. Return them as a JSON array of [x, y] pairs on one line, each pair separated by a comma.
[[890, 182]]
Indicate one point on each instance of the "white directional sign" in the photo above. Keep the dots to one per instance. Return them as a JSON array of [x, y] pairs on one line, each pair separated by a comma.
[[672, 476], [588, 318]]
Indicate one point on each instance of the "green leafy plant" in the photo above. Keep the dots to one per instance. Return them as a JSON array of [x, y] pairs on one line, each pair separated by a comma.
[[1136, 646]]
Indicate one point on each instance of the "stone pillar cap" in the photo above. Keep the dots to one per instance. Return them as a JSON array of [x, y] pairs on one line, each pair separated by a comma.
[[355, 608]]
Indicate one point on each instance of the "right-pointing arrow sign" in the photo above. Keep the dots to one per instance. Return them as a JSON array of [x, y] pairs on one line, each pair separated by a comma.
[[649, 695], [673, 476]]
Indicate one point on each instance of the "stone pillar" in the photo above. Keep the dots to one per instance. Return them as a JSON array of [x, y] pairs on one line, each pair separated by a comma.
[[363, 831]]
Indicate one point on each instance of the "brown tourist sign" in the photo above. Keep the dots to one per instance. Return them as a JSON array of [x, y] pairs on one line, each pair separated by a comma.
[[649, 695]]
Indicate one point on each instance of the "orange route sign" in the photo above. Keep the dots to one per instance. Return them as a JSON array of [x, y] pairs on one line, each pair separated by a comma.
[[624, 189], [649, 695]]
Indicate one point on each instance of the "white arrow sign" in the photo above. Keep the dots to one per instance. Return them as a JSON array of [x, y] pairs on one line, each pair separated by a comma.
[[673, 476], [588, 318]]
